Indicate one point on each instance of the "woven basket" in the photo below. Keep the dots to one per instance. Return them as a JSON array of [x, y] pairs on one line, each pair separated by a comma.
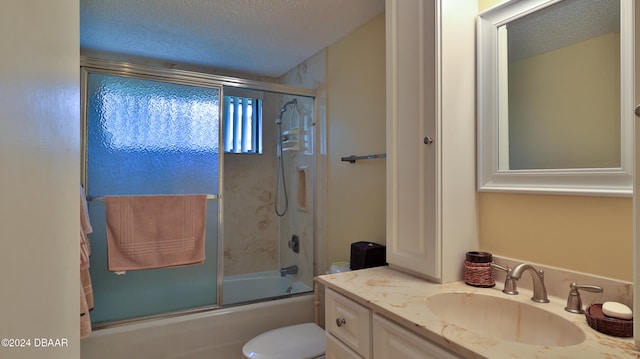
[[607, 325], [479, 274]]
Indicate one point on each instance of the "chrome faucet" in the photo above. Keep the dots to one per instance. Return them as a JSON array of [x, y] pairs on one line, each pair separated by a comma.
[[288, 270], [539, 290], [574, 302], [509, 283]]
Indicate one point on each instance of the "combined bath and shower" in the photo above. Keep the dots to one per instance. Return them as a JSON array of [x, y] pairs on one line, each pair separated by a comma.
[[280, 177]]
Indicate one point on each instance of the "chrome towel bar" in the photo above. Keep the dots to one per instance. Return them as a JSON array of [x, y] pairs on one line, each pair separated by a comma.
[[101, 199], [353, 159]]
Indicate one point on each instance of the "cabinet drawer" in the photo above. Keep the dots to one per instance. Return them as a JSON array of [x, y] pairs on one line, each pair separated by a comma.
[[393, 341], [348, 321], [337, 350]]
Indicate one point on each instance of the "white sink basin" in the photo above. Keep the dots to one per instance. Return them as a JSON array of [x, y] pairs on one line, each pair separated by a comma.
[[505, 319]]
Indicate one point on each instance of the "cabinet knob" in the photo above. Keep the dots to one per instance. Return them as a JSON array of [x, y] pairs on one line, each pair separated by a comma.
[[428, 140], [341, 321]]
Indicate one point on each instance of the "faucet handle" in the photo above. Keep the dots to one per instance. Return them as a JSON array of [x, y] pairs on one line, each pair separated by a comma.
[[574, 301], [509, 283]]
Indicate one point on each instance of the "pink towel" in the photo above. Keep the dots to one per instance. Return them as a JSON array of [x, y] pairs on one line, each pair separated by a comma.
[[85, 224], [85, 320], [86, 288], [145, 232]]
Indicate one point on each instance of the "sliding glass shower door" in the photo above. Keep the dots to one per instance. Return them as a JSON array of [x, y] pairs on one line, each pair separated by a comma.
[[150, 137]]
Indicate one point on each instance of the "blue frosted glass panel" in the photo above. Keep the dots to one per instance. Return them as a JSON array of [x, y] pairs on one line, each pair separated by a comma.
[[152, 291], [150, 137]]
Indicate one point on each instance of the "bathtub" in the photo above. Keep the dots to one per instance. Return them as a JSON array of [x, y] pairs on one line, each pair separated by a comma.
[[255, 286], [218, 333]]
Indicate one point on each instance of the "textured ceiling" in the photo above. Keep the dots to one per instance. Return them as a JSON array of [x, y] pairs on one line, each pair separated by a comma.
[[564, 23], [261, 37]]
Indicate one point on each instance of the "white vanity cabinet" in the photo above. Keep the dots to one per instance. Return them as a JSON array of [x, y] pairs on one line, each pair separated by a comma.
[[335, 349], [431, 208], [347, 326], [354, 331], [394, 342]]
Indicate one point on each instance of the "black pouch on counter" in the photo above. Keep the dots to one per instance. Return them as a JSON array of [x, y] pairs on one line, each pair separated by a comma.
[[367, 255]]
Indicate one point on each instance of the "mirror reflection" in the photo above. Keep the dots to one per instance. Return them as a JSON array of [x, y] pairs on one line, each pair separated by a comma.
[[559, 87]]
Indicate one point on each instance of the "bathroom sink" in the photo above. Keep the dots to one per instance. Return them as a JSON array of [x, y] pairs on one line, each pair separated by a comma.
[[505, 319]]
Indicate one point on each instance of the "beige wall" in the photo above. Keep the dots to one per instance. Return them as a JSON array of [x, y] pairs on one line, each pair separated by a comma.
[[39, 184], [356, 126], [587, 234], [485, 4]]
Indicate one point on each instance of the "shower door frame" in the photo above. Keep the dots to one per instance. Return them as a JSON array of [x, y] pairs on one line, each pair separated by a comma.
[[192, 78]]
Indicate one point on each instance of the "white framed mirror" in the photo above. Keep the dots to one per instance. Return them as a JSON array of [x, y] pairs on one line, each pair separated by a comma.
[[555, 97]]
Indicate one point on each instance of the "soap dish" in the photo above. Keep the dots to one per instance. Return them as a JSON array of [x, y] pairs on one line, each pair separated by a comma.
[[607, 325]]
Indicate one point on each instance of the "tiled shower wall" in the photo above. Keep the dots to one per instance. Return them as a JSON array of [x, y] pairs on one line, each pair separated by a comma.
[[250, 223]]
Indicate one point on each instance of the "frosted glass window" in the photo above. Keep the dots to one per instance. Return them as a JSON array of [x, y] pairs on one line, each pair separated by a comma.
[[150, 137]]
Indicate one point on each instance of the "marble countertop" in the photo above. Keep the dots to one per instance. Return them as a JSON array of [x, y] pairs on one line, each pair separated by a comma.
[[402, 298]]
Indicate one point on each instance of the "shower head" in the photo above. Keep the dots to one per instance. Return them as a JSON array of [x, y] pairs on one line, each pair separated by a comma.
[[293, 102]]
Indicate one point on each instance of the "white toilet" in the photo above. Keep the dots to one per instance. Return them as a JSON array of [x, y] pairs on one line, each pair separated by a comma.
[[302, 341]]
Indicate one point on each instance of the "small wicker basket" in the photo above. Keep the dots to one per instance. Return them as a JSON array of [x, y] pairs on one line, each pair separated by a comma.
[[607, 325], [478, 271]]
